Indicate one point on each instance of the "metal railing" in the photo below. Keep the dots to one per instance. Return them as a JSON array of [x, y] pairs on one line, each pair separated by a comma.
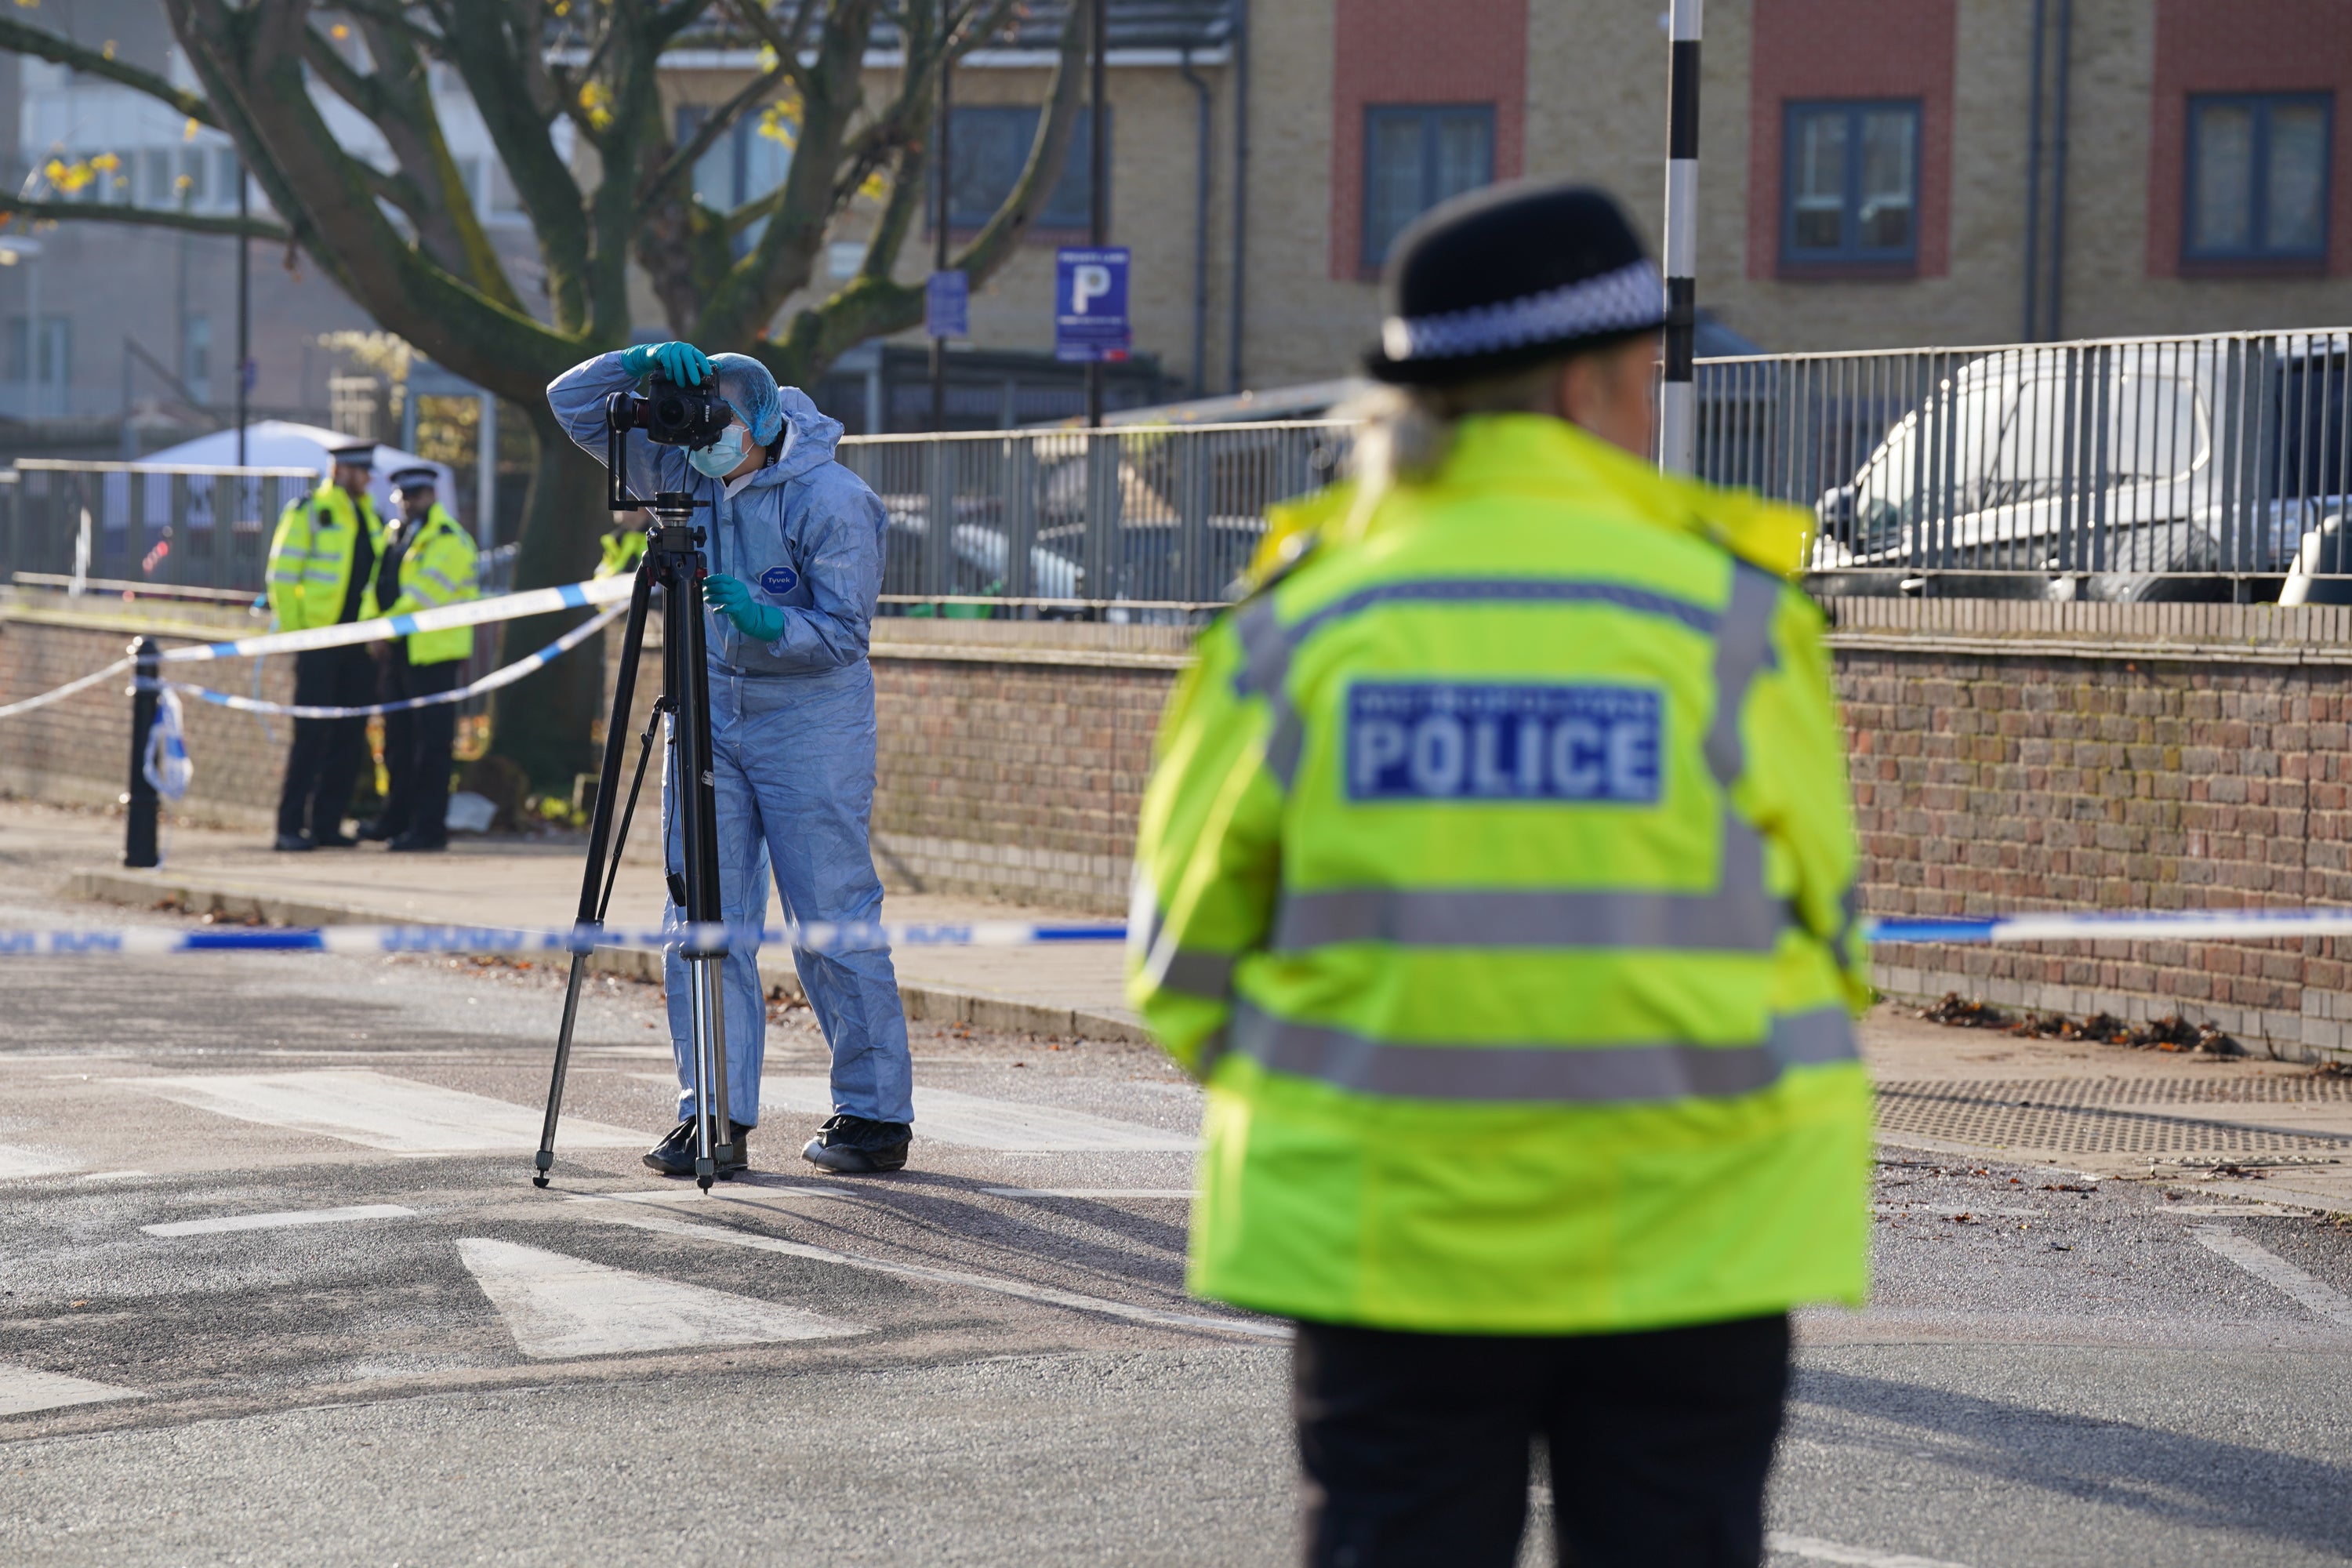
[[1126, 524], [158, 526], [2190, 467]]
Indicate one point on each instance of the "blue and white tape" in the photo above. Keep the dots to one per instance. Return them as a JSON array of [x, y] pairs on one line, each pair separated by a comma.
[[595, 592], [505, 675], [2192, 925], [511, 941]]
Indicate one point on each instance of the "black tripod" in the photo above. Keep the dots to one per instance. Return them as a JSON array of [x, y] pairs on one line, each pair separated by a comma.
[[673, 561]]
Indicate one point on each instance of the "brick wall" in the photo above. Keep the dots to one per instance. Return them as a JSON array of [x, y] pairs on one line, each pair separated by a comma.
[[78, 750], [2016, 757]]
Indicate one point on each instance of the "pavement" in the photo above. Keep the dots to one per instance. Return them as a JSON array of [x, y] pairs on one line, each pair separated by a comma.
[[276, 1288]]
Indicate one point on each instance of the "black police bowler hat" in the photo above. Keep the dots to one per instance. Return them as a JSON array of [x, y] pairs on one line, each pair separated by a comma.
[[1511, 276], [415, 478], [361, 455]]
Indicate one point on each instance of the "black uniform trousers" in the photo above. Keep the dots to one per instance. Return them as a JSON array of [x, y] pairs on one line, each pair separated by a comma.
[[416, 746], [324, 761], [1416, 1447]]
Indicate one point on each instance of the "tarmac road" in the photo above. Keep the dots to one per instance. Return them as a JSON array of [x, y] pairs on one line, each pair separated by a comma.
[[278, 1289]]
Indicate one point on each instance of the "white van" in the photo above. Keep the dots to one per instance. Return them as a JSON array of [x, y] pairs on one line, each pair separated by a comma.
[[2150, 470]]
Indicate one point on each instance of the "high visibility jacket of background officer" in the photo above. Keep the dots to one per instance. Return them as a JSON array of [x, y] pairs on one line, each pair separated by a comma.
[[310, 558], [437, 569], [1496, 879]]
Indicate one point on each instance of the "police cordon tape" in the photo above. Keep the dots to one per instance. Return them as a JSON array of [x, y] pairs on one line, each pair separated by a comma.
[[597, 593], [505, 675], [2203, 925], [512, 940]]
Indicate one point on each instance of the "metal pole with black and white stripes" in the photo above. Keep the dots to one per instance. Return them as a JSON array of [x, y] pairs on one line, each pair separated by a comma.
[[1677, 399]]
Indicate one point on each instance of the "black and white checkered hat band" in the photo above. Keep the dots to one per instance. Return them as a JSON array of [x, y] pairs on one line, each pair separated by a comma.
[[1630, 297]]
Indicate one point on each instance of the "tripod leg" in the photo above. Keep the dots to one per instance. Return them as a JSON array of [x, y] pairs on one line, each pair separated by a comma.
[[704, 852], [599, 828], [686, 692]]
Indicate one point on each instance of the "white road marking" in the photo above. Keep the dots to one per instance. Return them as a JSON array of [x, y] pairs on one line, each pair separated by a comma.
[[1954, 1211], [228, 1222], [23, 1391], [1858, 1556], [1088, 1192], [114, 1176], [377, 1111], [24, 1159], [619, 1214], [977, 1122], [558, 1307], [2323, 1299], [688, 1193]]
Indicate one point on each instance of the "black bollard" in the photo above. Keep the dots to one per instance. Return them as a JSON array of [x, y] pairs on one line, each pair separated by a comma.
[[139, 846]]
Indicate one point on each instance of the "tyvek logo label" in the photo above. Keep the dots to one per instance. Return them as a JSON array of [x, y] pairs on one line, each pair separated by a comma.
[[779, 580]]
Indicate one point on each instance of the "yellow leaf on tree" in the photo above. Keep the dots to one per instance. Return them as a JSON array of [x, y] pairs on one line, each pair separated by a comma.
[[107, 53], [188, 132], [877, 187], [106, 161], [339, 32]]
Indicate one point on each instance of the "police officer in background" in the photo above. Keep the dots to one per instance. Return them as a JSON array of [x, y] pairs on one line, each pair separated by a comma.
[[427, 562], [321, 573], [1496, 879]]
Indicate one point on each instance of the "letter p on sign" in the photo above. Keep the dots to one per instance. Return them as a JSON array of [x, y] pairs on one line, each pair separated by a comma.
[[1089, 281]]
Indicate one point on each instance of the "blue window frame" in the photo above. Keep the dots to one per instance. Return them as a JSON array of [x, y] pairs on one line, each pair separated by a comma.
[[1416, 156], [2256, 176], [1849, 182]]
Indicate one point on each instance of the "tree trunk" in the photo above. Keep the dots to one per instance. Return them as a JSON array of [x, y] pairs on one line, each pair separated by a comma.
[[543, 721]]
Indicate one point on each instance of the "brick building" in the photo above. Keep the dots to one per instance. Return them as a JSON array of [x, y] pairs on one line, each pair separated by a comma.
[[1873, 173]]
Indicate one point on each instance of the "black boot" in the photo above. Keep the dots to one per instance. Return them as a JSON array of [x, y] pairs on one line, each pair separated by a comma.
[[674, 1155], [853, 1146]]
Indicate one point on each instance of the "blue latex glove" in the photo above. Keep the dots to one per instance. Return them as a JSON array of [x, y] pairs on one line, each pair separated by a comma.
[[681, 363], [732, 597]]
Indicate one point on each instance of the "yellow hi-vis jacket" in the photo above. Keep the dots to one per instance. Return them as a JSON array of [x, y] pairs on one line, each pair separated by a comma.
[[1496, 879], [310, 559], [437, 569]]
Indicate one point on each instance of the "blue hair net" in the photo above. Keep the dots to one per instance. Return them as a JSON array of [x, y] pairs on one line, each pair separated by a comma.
[[750, 392]]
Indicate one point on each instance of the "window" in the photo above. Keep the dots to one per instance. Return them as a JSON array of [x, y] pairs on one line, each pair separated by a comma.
[[2257, 172], [194, 166], [742, 166], [56, 351], [1415, 157], [988, 148], [197, 358], [1850, 190]]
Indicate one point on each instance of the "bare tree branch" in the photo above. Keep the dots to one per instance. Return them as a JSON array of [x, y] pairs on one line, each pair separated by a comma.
[[719, 124], [1048, 152], [227, 223]]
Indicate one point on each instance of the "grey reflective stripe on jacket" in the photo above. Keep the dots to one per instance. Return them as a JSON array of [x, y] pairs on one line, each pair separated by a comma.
[[1544, 1072]]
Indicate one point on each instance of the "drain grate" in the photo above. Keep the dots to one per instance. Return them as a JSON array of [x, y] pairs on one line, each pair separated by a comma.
[[2097, 1116]]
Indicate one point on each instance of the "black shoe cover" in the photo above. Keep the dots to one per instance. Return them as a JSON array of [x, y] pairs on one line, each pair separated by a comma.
[[674, 1155], [853, 1146]]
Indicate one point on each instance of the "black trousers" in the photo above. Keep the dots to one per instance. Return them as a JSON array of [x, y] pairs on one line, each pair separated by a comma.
[[324, 761], [416, 746], [1416, 1447]]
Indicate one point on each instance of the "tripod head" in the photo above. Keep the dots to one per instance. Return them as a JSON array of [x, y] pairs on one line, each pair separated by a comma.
[[624, 412]]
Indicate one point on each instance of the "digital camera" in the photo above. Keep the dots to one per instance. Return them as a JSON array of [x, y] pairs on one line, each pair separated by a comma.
[[674, 415]]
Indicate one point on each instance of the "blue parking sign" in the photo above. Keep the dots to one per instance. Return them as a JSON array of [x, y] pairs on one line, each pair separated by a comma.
[[947, 304], [1091, 303]]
